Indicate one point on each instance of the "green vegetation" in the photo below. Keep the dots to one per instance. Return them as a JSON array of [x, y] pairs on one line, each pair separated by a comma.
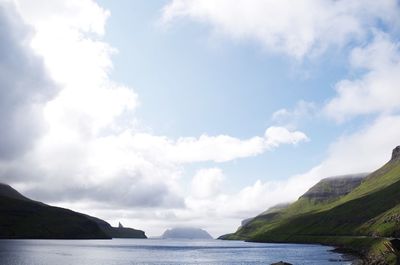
[[361, 219]]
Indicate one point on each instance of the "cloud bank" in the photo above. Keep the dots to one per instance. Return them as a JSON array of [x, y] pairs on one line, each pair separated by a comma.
[[24, 86], [294, 28]]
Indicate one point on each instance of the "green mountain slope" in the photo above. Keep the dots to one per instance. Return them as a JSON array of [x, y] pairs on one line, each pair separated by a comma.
[[326, 191], [21, 217], [359, 219]]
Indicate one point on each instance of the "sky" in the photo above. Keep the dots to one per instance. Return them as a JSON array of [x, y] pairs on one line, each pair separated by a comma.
[[167, 113]]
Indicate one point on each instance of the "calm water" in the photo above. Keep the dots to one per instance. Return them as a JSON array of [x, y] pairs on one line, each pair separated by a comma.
[[162, 252]]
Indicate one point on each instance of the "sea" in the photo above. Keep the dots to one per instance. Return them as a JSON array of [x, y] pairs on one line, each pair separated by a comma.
[[162, 252]]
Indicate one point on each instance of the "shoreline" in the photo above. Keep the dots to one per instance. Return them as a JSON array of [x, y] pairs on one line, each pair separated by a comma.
[[365, 250]]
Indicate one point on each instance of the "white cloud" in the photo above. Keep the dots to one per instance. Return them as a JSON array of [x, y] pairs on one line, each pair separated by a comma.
[[377, 90], [362, 151], [295, 28], [207, 183], [225, 148], [275, 136], [81, 15], [24, 86], [292, 117], [365, 150]]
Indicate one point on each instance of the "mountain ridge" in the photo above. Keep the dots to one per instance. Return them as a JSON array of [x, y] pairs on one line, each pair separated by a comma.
[[23, 218], [360, 220]]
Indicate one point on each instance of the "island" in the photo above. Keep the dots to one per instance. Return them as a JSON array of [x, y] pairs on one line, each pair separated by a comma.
[[186, 233]]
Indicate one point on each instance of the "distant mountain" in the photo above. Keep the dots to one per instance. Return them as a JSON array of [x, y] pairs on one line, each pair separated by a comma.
[[21, 217], [186, 233], [358, 213]]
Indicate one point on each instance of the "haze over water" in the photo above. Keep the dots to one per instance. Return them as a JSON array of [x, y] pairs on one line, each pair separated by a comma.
[[165, 252]]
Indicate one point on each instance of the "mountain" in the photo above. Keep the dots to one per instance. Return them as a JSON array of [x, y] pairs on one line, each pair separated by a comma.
[[22, 217], [186, 233], [356, 213]]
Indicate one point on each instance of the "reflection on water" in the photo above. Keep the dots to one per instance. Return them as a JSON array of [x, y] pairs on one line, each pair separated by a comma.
[[162, 252]]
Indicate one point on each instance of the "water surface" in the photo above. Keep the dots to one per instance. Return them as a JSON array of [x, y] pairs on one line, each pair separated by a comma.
[[160, 252]]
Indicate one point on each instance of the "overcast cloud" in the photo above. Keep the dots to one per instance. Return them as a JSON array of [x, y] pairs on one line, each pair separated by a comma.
[[24, 86]]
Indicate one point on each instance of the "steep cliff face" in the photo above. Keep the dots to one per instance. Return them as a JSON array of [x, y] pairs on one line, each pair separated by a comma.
[[334, 187], [396, 154]]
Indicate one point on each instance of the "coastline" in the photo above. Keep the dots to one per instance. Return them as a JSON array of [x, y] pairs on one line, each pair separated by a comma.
[[363, 250]]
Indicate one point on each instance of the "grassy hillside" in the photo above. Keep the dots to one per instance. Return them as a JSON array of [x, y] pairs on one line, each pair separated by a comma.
[[360, 219]]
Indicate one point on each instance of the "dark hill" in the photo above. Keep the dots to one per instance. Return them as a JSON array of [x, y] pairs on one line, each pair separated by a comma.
[[21, 217], [118, 232], [9, 192]]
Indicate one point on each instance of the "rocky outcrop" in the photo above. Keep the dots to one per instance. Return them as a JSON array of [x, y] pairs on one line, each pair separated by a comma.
[[126, 232], [334, 187], [396, 153], [118, 232]]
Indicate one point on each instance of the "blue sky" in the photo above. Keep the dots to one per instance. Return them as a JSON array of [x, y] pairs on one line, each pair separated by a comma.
[[190, 83], [199, 113]]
